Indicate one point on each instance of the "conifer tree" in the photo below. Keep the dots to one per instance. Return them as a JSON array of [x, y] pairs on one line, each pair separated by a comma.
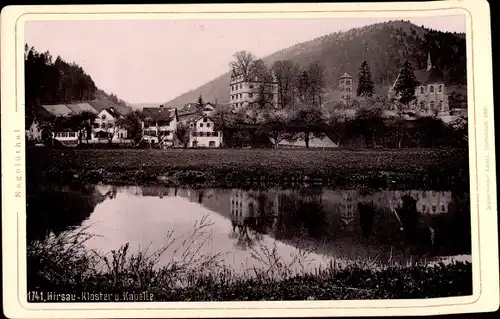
[[406, 83], [200, 103], [365, 82]]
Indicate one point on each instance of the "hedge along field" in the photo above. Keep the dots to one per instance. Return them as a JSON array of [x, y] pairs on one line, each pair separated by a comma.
[[420, 168]]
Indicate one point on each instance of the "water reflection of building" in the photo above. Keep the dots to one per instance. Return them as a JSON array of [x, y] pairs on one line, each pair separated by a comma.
[[348, 205], [432, 202]]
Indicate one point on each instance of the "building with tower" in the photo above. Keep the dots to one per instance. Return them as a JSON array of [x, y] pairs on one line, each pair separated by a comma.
[[345, 86], [430, 92]]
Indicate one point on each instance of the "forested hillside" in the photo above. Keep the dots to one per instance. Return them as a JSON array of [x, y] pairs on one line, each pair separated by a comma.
[[53, 82], [385, 46]]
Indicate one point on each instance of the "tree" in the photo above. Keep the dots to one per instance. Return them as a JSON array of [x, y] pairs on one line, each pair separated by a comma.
[[262, 77], [182, 134], [80, 123], [132, 123], [200, 104], [307, 121], [242, 62], [277, 130], [369, 123], [316, 82], [286, 73], [365, 83], [405, 84]]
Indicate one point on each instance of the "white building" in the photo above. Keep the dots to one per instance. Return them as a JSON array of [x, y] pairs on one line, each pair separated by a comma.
[[159, 125], [208, 109], [204, 132], [245, 92], [106, 126]]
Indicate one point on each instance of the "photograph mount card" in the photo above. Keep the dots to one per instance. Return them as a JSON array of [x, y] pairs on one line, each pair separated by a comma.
[[259, 160]]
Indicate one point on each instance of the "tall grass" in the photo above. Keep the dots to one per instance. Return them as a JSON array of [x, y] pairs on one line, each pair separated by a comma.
[[178, 271]]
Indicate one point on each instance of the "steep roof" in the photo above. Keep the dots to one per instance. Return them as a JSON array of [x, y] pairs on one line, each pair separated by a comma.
[[429, 77], [100, 105], [81, 107], [58, 109], [158, 113]]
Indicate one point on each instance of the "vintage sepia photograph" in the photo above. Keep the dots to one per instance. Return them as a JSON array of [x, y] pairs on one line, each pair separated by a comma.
[[200, 159], [216, 160]]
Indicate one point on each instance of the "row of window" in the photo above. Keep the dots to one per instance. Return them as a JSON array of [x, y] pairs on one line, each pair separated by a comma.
[[108, 125], [208, 124], [431, 89], [347, 89], [66, 134], [203, 134], [434, 208], [345, 97], [347, 82]]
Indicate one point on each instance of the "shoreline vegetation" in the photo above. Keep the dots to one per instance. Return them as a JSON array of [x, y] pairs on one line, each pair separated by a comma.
[[64, 267], [374, 169]]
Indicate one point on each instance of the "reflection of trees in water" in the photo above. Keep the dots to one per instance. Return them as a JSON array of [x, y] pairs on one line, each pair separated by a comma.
[[58, 208], [301, 216]]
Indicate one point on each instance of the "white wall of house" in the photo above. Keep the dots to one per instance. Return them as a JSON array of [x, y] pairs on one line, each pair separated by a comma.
[[33, 132], [107, 122], [202, 134], [152, 133]]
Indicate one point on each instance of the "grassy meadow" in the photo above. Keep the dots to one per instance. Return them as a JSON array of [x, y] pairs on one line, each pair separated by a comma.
[[376, 168]]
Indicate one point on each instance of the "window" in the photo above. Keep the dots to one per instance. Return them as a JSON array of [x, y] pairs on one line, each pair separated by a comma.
[[432, 104], [201, 124], [251, 85], [110, 125], [341, 81], [440, 89], [440, 105], [421, 90], [250, 95], [208, 124], [103, 125], [348, 82], [431, 89], [205, 120], [442, 208], [241, 86], [202, 133], [193, 134], [434, 208], [423, 208], [191, 125], [211, 144]]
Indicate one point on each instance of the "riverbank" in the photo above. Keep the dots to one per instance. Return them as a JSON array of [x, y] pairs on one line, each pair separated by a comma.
[[397, 169], [69, 269]]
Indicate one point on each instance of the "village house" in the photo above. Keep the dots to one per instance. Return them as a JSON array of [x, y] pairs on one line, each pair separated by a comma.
[[208, 109], [159, 125], [42, 124], [205, 132], [106, 126], [430, 93]]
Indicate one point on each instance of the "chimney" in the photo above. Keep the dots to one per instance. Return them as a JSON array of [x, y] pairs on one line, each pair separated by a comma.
[[161, 106]]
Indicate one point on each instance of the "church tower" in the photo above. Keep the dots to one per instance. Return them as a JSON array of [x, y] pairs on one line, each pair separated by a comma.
[[429, 62]]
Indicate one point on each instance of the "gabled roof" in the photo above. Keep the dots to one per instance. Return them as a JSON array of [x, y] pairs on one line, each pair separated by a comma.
[[81, 107], [58, 109], [158, 113], [100, 105], [345, 75], [429, 77]]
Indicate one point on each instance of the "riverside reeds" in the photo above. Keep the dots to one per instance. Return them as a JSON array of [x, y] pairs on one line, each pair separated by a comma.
[[63, 264]]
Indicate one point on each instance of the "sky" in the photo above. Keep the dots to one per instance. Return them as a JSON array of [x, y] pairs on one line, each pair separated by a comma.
[[154, 61]]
